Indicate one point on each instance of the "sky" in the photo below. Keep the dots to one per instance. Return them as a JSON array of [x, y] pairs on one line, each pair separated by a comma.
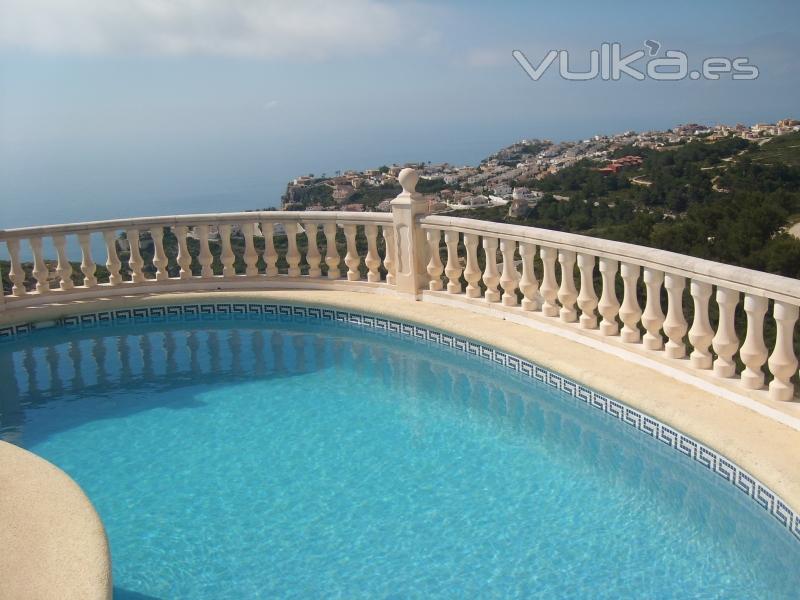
[[144, 107]]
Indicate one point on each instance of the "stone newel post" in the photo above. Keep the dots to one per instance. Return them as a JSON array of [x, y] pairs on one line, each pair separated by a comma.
[[412, 275]]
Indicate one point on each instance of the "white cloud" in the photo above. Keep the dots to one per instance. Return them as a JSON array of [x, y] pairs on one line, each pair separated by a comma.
[[270, 105], [315, 29]]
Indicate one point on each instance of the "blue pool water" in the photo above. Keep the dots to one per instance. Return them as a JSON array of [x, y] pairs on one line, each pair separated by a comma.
[[292, 458]]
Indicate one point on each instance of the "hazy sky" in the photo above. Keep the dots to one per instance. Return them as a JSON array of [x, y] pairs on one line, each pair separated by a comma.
[[131, 107]]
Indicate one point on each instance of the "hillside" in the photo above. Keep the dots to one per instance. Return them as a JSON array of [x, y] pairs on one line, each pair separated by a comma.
[[783, 149], [729, 201]]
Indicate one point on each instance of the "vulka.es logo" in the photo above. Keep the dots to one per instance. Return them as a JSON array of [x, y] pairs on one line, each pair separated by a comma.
[[608, 63]]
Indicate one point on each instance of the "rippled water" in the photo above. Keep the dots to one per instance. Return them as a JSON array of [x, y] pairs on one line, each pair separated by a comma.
[[294, 459]]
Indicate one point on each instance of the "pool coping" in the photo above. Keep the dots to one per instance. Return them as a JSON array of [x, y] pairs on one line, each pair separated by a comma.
[[755, 454], [54, 542]]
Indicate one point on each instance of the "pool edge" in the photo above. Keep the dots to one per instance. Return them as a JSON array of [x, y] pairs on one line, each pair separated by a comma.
[[59, 545]]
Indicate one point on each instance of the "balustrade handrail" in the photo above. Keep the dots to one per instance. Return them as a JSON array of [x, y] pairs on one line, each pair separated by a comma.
[[738, 278], [232, 218]]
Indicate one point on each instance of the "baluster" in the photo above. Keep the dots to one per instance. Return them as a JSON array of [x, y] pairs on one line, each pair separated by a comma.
[[782, 361], [754, 351], [184, 258], [16, 274], [510, 276], [587, 298], [63, 268], [491, 277], [528, 284], [351, 258], [472, 273], [630, 312], [250, 254], [332, 258], [113, 263], [226, 256], [725, 341], [435, 267], [159, 256], [135, 262], [675, 325], [389, 261], [701, 333], [549, 289], [205, 258], [87, 264], [653, 316], [453, 269], [40, 271], [609, 305], [567, 294], [373, 260], [270, 255], [313, 257], [292, 253]]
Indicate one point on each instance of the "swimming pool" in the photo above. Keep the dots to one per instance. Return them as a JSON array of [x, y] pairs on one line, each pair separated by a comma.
[[290, 452]]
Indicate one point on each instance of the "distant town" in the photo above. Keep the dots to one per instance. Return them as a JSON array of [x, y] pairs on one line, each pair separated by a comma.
[[510, 176]]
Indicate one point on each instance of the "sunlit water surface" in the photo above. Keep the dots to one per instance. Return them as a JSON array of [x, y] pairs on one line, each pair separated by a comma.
[[302, 459]]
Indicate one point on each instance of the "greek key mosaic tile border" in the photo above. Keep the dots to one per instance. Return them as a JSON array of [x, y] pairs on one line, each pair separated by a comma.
[[708, 458]]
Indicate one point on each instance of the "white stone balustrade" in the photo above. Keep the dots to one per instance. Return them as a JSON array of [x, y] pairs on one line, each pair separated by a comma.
[[653, 317], [435, 267], [643, 273], [549, 287], [200, 248], [675, 325], [629, 312], [402, 252], [587, 298], [372, 260], [491, 277], [351, 259], [528, 284], [609, 305], [509, 278], [227, 257], [292, 252], [159, 257], [453, 268], [567, 294], [701, 334], [725, 341]]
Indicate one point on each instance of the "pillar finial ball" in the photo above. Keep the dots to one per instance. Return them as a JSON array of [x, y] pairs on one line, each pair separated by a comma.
[[408, 179]]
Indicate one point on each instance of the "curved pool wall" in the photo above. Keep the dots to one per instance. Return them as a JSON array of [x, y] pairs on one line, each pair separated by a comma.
[[727, 471]]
